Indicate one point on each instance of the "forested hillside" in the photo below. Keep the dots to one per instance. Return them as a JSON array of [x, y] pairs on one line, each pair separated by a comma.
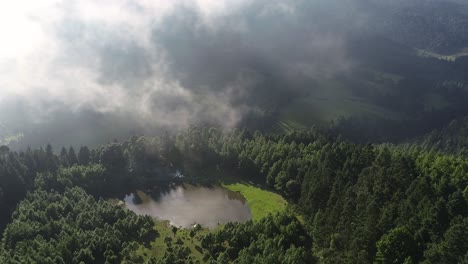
[[357, 203], [434, 25], [387, 63], [449, 139], [72, 227], [247, 131]]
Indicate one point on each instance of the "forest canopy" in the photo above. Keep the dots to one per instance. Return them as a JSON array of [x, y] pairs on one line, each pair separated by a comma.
[[305, 131], [359, 203]]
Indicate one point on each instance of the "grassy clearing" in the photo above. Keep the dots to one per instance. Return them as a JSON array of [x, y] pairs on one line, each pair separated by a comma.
[[433, 101], [10, 139], [448, 57], [331, 99], [288, 126], [311, 110], [158, 247], [381, 77], [261, 202]]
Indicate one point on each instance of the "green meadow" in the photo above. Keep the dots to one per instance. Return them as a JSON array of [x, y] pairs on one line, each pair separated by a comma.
[[261, 202]]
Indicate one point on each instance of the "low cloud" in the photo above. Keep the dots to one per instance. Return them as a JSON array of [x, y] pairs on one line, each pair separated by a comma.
[[159, 63]]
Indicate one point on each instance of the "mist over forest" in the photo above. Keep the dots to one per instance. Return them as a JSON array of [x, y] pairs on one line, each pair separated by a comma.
[[85, 72], [241, 131]]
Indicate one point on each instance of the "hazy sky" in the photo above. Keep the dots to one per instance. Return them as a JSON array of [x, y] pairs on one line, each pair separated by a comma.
[[169, 63], [166, 63], [96, 54]]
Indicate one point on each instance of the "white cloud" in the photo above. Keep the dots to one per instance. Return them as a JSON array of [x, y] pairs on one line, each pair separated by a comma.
[[51, 56], [149, 59]]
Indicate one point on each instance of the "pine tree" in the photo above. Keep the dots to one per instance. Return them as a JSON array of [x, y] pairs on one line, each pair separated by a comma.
[[72, 158], [84, 156]]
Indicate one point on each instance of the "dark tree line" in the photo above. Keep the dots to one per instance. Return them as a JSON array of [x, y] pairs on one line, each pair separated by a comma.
[[452, 138], [274, 239], [18, 172]]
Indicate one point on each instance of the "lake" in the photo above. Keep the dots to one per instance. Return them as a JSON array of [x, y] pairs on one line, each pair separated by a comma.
[[187, 205]]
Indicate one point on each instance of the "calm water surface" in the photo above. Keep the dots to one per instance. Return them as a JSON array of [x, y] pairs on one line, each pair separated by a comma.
[[188, 205]]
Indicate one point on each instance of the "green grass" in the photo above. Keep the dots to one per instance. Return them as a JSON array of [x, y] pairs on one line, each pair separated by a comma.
[[289, 126], [261, 202], [10, 139], [329, 99], [383, 77], [433, 101], [158, 247], [448, 57], [325, 106], [311, 110]]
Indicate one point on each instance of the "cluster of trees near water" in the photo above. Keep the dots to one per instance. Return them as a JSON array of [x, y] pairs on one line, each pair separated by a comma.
[[72, 227], [273, 239], [359, 203]]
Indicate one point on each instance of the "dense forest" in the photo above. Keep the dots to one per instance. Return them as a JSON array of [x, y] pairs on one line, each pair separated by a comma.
[[449, 139], [433, 25], [333, 131], [349, 203]]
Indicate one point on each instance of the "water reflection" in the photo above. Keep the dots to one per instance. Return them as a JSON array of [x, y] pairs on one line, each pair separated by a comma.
[[188, 205]]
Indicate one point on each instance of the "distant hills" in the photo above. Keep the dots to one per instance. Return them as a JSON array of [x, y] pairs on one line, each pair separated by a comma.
[[434, 25], [452, 139], [377, 71]]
